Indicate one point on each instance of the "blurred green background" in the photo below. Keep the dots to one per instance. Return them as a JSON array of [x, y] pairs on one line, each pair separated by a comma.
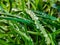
[[29, 22]]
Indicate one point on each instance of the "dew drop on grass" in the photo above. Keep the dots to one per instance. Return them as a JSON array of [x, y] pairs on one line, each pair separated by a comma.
[[45, 35]]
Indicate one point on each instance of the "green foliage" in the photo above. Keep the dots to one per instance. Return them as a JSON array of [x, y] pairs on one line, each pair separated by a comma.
[[29, 22]]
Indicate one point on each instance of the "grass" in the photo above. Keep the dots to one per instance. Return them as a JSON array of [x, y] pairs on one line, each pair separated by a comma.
[[29, 22]]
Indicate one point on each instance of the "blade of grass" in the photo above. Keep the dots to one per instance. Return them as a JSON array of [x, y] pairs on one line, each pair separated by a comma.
[[39, 26]]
